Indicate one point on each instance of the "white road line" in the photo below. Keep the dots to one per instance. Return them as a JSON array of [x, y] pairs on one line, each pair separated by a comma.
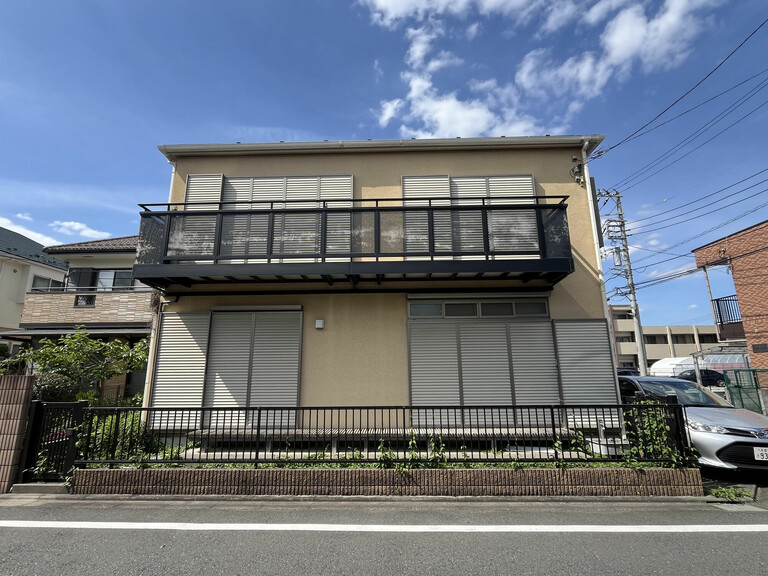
[[436, 528]]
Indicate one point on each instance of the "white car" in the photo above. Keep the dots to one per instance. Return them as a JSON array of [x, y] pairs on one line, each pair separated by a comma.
[[724, 436]]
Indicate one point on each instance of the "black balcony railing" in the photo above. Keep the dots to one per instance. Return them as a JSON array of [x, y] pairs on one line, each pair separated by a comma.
[[343, 230], [727, 310], [729, 324], [383, 436]]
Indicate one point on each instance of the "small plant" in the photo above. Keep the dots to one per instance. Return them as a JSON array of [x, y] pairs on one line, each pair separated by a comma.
[[649, 435], [437, 456], [731, 494], [387, 457]]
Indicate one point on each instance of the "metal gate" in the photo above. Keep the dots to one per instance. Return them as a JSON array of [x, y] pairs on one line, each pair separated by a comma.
[[50, 445], [743, 387]]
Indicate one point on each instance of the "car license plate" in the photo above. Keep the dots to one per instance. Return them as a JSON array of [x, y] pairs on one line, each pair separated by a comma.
[[761, 453]]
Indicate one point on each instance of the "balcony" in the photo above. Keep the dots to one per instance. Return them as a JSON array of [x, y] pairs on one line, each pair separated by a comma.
[[64, 308], [729, 325], [354, 241]]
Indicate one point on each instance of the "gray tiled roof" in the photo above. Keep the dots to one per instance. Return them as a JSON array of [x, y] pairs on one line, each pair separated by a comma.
[[119, 244], [19, 246]]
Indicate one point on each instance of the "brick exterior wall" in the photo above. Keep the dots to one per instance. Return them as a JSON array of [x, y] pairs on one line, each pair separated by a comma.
[[15, 396], [59, 308], [748, 254], [368, 482]]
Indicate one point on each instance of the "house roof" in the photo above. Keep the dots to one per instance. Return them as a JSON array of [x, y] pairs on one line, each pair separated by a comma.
[[19, 246], [500, 143], [119, 244]]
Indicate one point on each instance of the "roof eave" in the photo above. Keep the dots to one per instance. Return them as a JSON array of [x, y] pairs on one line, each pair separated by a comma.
[[173, 152]]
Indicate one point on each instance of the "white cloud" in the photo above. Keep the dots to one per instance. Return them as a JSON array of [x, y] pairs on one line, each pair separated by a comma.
[[36, 236], [560, 13], [377, 70], [636, 34], [389, 109], [421, 43], [600, 10], [443, 60], [473, 30], [24, 216], [390, 13], [78, 229], [692, 306]]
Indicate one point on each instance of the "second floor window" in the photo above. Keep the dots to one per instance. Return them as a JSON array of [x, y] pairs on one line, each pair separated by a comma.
[[41, 282], [101, 280]]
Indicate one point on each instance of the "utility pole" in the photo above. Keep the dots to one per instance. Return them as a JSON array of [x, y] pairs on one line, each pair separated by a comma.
[[617, 231]]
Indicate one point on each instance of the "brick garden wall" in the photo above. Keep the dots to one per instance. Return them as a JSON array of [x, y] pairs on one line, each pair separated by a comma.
[[15, 396], [748, 254], [370, 482]]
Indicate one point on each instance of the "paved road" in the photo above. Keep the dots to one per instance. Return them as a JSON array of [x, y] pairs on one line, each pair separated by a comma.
[[367, 536]]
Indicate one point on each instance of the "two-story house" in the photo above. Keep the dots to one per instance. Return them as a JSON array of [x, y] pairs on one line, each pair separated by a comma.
[[405, 272], [23, 267], [99, 293]]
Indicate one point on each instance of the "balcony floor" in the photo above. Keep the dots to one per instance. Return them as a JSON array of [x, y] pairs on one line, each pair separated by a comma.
[[547, 272]]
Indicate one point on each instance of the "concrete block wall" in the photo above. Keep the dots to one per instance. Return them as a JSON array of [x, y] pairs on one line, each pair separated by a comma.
[[15, 397]]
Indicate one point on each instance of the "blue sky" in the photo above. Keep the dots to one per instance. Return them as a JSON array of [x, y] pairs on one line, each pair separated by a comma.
[[88, 89]]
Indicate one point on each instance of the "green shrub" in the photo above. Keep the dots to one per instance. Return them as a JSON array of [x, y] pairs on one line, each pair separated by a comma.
[[50, 387]]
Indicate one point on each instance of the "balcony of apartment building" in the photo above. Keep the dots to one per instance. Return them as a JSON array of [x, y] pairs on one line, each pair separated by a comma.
[[105, 301], [728, 317], [355, 242]]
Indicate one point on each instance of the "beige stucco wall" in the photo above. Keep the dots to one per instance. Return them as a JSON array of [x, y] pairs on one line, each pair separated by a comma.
[[15, 280], [378, 175], [360, 357]]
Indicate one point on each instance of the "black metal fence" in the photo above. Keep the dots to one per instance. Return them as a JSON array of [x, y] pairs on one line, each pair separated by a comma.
[[382, 436]]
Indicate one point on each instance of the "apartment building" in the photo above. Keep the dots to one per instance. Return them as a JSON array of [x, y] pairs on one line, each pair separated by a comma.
[[378, 273]]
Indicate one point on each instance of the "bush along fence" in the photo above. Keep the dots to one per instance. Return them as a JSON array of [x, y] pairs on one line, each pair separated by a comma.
[[62, 436]]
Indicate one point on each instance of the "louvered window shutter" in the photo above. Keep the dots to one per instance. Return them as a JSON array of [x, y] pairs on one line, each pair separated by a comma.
[[586, 363], [179, 372]]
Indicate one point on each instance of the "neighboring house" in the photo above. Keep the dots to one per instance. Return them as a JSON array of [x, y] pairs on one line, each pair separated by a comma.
[[660, 341], [410, 272], [743, 315], [100, 294], [23, 266]]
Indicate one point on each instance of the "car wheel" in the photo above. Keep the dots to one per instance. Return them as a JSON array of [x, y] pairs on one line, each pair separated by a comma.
[[720, 383]]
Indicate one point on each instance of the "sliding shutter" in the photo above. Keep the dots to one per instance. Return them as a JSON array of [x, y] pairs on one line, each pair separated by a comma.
[[338, 224], [275, 365], [196, 235], [179, 371], [534, 362], [427, 191], [469, 191], [512, 230], [586, 364], [236, 228], [485, 371]]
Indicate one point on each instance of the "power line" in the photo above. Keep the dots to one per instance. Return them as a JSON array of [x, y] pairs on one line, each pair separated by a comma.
[[695, 236], [707, 101], [695, 134], [763, 191], [661, 159], [644, 126], [701, 198]]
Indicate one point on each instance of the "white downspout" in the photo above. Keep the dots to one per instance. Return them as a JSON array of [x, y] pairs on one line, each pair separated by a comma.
[[154, 334], [600, 276], [596, 235]]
